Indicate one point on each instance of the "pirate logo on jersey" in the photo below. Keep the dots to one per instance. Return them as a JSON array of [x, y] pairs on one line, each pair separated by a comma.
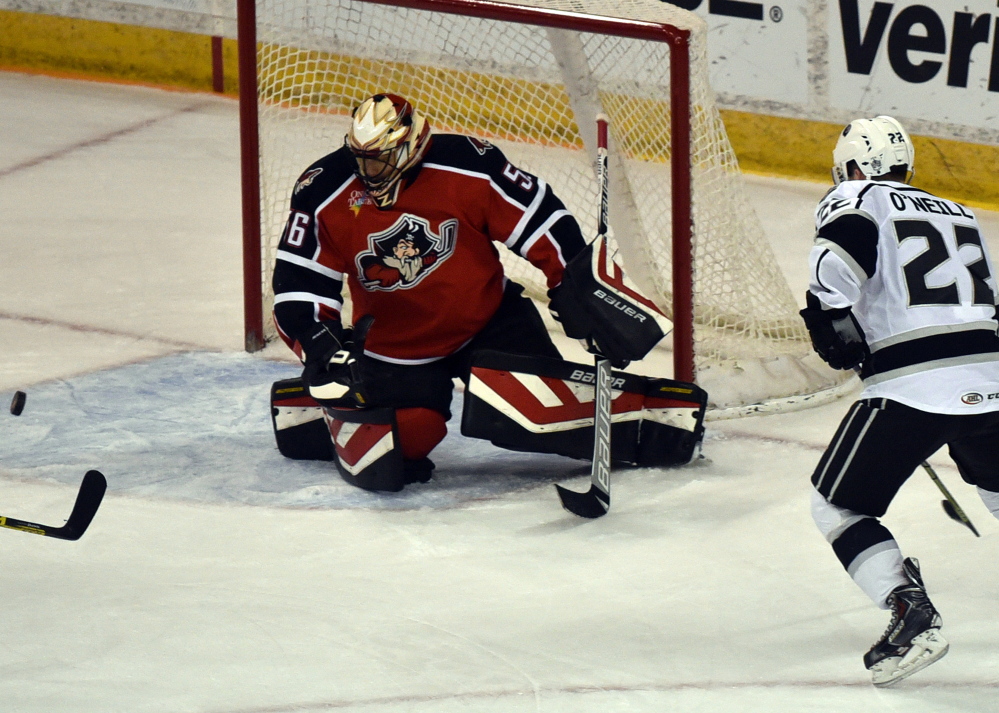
[[398, 258]]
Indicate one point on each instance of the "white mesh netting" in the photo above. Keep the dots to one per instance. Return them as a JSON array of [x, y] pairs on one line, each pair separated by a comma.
[[522, 86]]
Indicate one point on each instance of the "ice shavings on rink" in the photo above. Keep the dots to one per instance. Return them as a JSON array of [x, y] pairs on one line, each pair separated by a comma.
[[197, 426]]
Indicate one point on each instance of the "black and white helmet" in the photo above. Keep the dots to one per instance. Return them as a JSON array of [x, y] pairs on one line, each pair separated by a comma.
[[878, 146]]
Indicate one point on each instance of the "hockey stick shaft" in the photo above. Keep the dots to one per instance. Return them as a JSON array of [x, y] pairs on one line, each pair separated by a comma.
[[596, 501], [88, 499], [602, 175], [600, 472], [950, 504]]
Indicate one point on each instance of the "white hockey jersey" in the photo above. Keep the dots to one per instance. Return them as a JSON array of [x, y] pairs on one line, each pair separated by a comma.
[[918, 276]]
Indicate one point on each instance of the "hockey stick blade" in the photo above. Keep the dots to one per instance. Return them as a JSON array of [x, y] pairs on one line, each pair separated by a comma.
[[590, 504], [950, 505], [956, 516], [87, 501]]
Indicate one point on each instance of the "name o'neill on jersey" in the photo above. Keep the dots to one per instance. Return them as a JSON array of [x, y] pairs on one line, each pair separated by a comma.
[[401, 256], [908, 199]]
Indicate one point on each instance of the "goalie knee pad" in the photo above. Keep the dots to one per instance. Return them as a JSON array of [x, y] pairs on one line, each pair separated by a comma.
[[299, 427], [368, 448], [372, 450], [366, 442], [546, 406]]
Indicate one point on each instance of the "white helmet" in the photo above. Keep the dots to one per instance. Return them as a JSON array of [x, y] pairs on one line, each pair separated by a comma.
[[387, 138], [878, 146]]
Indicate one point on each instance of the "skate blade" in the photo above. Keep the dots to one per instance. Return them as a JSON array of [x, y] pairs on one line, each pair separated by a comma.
[[926, 648]]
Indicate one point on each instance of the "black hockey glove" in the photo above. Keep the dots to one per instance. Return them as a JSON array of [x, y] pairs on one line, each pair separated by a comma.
[[578, 323], [333, 376], [319, 345], [836, 335]]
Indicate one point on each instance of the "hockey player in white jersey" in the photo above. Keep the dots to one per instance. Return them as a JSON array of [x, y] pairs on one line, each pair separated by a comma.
[[902, 289]]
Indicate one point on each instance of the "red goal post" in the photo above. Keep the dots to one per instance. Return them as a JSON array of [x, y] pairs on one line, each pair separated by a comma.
[[541, 72]]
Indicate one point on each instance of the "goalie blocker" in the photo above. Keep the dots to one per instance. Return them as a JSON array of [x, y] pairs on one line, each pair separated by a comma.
[[546, 406], [599, 305]]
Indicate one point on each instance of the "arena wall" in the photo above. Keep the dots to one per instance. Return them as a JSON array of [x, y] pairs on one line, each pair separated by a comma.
[[787, 77]]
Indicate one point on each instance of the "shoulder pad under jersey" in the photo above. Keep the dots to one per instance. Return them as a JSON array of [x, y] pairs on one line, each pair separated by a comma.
[[847, 197], [465, 152]]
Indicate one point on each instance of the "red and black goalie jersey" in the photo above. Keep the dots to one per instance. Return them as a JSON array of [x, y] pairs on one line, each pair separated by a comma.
[[426, 268]]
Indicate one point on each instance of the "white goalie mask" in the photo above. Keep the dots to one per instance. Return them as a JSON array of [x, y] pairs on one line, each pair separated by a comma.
[[878, 146], [387, 138]]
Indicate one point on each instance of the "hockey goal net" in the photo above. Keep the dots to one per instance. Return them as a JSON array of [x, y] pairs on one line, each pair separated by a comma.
[[530, 78]]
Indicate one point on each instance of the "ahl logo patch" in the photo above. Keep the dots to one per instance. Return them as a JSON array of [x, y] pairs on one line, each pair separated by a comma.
[[399, 257], [972, 398]]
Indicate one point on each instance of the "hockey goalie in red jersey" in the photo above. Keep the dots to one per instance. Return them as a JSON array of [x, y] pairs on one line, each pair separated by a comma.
[[409, 219]]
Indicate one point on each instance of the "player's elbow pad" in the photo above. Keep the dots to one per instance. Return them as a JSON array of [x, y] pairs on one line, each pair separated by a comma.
[[836, 335]]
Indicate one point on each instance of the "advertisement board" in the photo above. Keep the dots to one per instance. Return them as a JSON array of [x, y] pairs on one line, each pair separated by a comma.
[[934, 63], [758, 50], [938, 61]]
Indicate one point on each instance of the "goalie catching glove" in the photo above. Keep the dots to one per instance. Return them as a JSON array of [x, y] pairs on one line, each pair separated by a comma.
[[598, 305], [332, 371], [836, 336]]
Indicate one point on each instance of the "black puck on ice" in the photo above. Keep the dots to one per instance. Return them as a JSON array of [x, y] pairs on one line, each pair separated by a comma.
[[17, 403]]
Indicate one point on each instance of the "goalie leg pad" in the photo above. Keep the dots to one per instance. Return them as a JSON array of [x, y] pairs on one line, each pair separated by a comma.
[[299, 427], [672, 424], [546, 406], [367, 447]]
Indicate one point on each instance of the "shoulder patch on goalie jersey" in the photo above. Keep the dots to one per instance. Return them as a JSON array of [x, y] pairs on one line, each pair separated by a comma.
[[320, 179]]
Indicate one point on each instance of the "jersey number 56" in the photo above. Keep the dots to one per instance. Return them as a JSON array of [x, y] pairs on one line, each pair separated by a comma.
[[294, 232]]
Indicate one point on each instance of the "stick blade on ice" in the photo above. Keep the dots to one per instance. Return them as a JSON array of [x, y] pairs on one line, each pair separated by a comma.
[[591, 504]]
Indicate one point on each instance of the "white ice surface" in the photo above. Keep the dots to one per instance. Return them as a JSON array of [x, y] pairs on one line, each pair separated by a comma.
[[218, 577]]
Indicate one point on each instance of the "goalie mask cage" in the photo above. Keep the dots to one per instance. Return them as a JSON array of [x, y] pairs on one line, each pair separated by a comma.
[[531, 78]]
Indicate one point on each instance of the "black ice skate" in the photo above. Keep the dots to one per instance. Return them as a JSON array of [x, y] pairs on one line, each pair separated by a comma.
[[417, 471], [912, 641]]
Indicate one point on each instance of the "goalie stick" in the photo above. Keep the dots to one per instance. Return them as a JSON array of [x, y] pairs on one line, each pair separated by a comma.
[[950, 505], [596, 501], [87, 501]]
